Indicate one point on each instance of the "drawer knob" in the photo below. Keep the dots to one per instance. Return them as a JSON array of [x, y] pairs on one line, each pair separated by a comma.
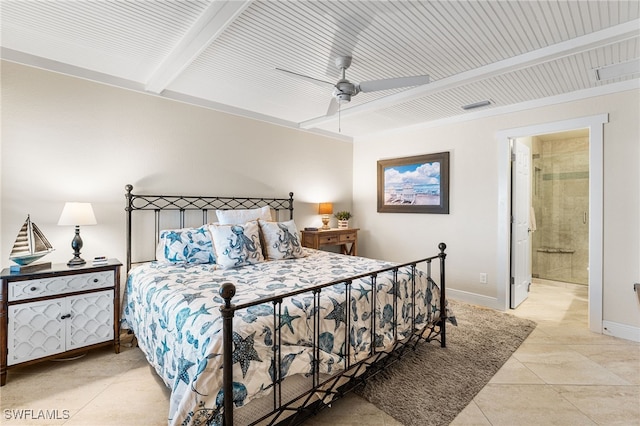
[[95, 280], [33, 288], [65, 316]]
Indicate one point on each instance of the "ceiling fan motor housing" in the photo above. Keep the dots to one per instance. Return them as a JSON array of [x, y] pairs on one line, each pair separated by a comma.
[[344, 90]]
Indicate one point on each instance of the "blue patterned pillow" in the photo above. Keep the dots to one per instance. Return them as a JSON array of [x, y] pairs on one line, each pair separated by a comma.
[[187, 245], [281, 240], [237, 245]]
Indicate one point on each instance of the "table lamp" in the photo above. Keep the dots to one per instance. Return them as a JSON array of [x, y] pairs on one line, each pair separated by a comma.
[[76, 214], [325, 209]]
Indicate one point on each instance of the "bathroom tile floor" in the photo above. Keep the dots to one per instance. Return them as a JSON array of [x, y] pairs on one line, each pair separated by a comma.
[[562, 374]]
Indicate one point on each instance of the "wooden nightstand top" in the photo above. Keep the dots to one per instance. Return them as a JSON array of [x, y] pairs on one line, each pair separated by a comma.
[[337, 230], [60, 268]]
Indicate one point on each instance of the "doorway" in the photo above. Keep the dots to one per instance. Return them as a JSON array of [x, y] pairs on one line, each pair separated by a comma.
[[594, 125], [549, 206]]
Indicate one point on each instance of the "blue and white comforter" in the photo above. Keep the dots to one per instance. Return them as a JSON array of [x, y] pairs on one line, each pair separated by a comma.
[[174, 312]]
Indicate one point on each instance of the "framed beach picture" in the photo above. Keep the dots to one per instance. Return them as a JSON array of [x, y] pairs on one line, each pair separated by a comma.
[[418, 184]]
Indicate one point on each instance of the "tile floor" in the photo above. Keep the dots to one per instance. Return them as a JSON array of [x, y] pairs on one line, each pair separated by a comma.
[[562, 374]]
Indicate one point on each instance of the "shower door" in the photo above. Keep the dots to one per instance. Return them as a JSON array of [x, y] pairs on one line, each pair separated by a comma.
[[561, 202]]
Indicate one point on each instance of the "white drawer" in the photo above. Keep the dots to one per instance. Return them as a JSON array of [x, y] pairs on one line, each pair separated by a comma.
[[42, 287]]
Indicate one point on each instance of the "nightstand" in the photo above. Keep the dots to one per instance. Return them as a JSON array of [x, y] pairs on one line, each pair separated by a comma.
[[333, 237], [58, 312]]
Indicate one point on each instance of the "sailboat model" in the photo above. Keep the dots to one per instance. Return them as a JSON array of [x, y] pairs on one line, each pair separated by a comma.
[[30, 245]]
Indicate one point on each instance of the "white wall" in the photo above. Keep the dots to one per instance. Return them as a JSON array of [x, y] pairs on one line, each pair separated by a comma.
[[471, 228], [67, 139]]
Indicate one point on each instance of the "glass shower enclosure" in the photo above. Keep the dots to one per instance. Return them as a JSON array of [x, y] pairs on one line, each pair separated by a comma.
[[560, 207]]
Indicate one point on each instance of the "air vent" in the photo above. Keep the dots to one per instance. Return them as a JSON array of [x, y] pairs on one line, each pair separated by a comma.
[[476, 105], [622, 69]]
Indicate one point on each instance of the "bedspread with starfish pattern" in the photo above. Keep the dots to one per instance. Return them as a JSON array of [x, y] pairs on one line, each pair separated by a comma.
[[174, 312]]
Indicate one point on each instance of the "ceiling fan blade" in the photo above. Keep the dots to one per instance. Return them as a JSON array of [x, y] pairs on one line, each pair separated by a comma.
[[306, 78], [393, 83], [333, 107]]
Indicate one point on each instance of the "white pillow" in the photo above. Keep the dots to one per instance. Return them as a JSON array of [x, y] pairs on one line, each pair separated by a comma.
[[232, 217], [187, 245], [237, 245], [281, 240]]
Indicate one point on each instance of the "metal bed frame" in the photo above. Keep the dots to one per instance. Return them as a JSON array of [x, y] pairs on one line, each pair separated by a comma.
[[324, 391], [181, 204]]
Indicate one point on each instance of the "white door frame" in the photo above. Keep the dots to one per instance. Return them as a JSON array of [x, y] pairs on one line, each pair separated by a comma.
[[595, 124]]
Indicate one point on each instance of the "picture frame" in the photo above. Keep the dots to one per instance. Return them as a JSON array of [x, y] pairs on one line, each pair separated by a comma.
[[417, 184]]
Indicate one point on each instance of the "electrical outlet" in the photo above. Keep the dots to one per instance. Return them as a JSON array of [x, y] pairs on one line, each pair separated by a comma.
[[483, 277]]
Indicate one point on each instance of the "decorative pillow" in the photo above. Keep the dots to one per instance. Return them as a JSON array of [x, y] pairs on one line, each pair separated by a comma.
[[281, 240], [237, 245], [233, 217], [187, 245]]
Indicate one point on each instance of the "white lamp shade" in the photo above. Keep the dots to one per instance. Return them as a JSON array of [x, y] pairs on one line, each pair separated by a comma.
[[77, 214]]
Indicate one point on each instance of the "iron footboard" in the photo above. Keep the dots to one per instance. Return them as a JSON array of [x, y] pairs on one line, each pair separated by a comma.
[[300, 407]]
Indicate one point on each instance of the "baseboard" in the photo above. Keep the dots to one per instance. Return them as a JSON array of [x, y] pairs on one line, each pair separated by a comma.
[[621, 331], [473, 298]]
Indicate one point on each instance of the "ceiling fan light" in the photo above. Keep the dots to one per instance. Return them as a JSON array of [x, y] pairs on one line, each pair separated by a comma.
[[343, 98]]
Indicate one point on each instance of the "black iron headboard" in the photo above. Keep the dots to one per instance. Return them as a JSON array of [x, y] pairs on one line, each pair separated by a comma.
[[184, 203]]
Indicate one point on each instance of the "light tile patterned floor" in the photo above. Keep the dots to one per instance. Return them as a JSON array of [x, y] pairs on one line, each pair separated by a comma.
[[562, 374]]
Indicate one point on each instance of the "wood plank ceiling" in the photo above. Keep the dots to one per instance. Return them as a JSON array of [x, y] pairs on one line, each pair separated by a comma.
[[223, 55]]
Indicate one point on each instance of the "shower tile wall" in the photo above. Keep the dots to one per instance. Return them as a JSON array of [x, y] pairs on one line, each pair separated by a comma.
[[560, 199]]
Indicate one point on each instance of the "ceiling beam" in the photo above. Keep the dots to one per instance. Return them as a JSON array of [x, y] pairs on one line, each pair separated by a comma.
[[604, 37], [215, 19]]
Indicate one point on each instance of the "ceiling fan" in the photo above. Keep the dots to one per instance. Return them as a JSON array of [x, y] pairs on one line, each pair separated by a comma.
[[343, 90]]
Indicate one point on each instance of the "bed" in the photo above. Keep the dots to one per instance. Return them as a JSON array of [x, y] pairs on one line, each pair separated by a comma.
[[285, 333]]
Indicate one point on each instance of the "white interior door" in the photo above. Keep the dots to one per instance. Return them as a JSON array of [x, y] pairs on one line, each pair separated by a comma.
[[520, 230]]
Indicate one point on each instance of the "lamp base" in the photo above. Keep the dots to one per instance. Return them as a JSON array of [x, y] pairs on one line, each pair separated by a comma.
[[76, 261], [325, 222], [76, 245]]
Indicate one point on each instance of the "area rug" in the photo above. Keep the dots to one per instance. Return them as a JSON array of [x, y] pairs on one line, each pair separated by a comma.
[[432, 385]]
